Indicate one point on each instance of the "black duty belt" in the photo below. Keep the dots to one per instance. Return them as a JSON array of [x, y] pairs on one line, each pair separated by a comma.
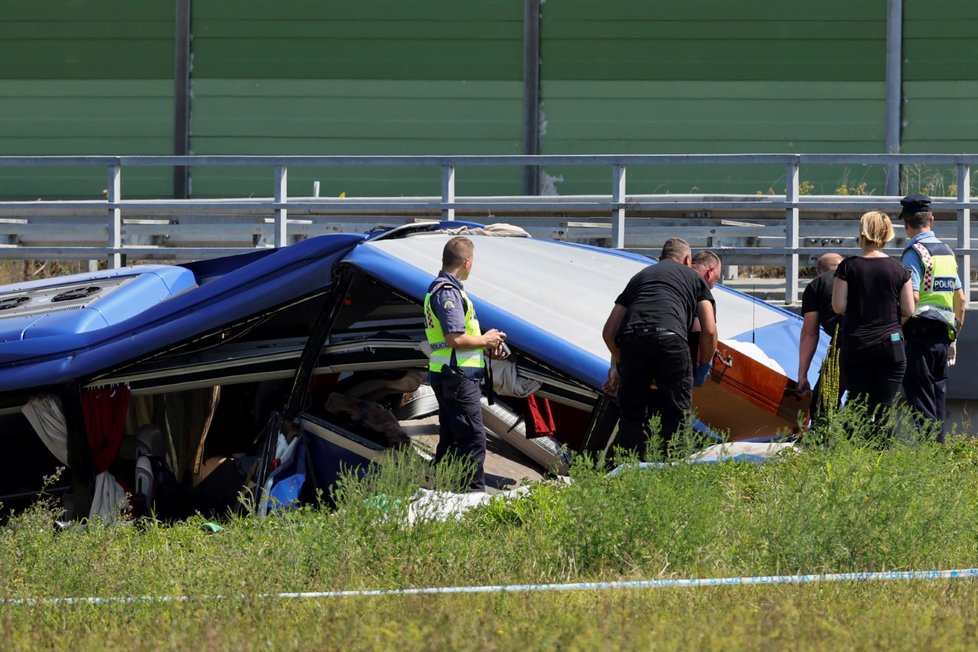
[[646, 330]]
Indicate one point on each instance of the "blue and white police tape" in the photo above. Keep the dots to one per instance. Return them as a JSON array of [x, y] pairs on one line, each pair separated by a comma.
[[884, 576]]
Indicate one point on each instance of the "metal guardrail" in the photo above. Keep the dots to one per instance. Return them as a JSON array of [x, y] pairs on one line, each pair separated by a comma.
[[116, 227]]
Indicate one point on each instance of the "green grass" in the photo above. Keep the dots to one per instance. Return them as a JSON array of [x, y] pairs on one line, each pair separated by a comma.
[[911, 616], [849, 505]]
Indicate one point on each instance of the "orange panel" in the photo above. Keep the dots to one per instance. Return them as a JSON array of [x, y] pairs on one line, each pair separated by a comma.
[[745, 398]]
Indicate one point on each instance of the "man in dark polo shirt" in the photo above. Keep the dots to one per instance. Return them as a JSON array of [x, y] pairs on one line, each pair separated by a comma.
[[816, 310], [647, 334]]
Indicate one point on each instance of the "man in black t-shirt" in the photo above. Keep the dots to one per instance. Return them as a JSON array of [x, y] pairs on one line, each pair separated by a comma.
[[647, 334], [816, 309]]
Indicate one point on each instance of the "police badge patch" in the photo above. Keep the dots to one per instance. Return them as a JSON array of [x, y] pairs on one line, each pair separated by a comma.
[[448, 305]]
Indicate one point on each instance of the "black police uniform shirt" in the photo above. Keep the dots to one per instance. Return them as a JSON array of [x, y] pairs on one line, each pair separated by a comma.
[[663, 296], [817, 297]]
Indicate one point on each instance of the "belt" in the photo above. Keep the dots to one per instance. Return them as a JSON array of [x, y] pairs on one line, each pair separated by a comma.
[[472, 373], [645, 330]]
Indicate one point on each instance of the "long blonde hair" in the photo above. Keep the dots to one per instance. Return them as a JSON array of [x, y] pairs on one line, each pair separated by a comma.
[[876, 228]]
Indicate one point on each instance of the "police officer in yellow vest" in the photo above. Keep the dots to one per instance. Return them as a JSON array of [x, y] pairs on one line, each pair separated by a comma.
[[938, 314], [457, 360]]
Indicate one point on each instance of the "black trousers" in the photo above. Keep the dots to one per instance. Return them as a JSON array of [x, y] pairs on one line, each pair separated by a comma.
[[663, 358], [875, 372], [925, 383], [460, 429]]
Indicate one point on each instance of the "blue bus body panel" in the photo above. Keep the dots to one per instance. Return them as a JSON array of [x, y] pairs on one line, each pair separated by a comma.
[[237, 287], [552, 299]]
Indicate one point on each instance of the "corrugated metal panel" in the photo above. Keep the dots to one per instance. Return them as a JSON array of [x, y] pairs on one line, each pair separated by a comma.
[[713, 40], [444, 77], [329, 117], [712, 76], [83, 77], [86, 39], [377, 77], [939, 40], [940, 87], [368, 39]]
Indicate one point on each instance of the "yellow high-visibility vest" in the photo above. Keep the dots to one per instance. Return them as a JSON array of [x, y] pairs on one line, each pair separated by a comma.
[[441, 353], [937, 284]]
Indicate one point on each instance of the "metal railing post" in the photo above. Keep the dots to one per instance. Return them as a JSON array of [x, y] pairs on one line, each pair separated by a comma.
[[618, 206], [182, 55], [531, 93], [113, 196], [281, 199], [894, 88], [791, 233], [964, 227], [448, 191]]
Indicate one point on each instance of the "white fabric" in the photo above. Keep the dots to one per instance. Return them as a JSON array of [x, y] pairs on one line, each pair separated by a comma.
[[755, 352], [506, 380], [764, 450], [429, 505], [499, 229], [952, 353], [109, 499], [48, 420]]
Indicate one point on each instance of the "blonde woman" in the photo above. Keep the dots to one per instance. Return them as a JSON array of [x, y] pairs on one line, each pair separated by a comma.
[[874, 293]]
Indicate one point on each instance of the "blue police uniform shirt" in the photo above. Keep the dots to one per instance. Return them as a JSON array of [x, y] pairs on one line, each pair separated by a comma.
[[916, 265], [446, 302]]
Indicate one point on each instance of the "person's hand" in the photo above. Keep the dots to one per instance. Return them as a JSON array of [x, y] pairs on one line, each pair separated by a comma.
[[494, 338], [613, 382], [952, 353], [803, 386], [701, 374], [499, 352]]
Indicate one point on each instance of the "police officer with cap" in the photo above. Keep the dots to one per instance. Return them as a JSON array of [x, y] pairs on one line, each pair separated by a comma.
[[457, 361], [938, 314]]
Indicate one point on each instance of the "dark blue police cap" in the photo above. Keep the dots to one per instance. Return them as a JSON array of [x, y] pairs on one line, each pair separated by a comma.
[[915, 204]]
